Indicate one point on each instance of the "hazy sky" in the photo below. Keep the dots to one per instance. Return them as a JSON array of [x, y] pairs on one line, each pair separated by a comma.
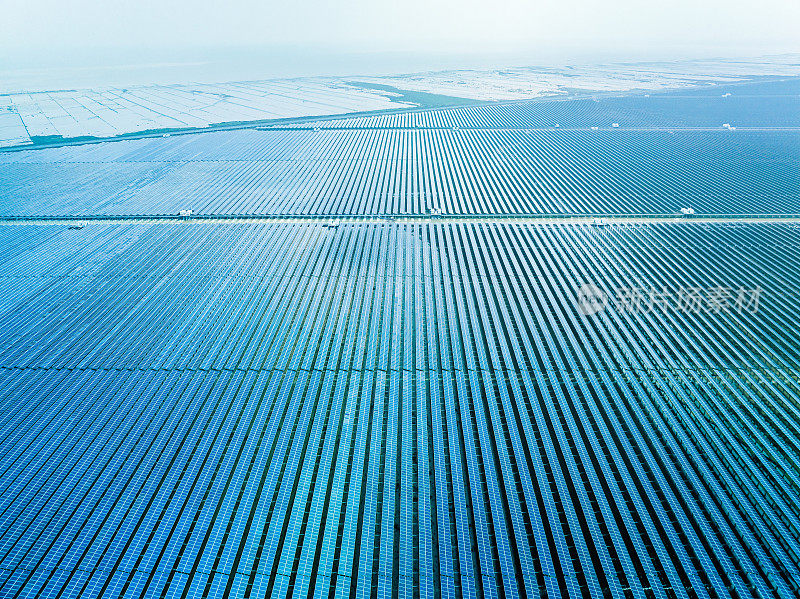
[[745, 26]]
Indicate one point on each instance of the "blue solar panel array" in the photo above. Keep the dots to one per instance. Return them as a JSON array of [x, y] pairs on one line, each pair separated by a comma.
[[670, 151], [402, 408], [287, 410], [762, 105], [368, 172]]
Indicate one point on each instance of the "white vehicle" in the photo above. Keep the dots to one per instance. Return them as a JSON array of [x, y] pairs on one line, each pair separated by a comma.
[[687, 211], [185, 213]]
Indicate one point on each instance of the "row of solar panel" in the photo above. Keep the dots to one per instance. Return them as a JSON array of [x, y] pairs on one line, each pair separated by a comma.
[[737, 108], [161, 500], [380, 407], [420, 172], [220, 296]]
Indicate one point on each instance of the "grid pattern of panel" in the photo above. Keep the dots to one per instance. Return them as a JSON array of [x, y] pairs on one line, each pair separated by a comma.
[[251, 410], [390, 171], [750, 105], [110, 111]]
